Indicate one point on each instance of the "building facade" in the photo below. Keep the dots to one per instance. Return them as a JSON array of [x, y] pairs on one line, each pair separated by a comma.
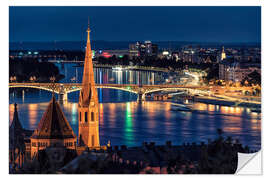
[[143, 49], [236, 71]]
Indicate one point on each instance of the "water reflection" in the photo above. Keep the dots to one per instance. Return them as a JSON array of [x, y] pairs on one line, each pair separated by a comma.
[[124, 121], [132, 123], [32, 111], [73, 73], [128, 129], [101, 121]]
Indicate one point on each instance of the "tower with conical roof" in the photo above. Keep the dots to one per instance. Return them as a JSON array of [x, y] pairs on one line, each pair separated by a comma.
[[53, 130], [223, 54], [16, 140], [88, 106]]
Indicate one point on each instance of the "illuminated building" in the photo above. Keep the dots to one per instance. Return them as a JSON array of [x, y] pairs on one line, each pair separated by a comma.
[[223, 54], [143, 49], [134, 50], [88, 106], [109, 53], [189, 54], [53, 131], [231, 70]]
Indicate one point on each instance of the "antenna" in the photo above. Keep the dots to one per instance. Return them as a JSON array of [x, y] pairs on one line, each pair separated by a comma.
[[88, 27]]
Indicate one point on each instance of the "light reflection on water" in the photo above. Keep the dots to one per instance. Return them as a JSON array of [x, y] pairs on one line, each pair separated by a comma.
[[131, 123], [73, 73], [124, 121]]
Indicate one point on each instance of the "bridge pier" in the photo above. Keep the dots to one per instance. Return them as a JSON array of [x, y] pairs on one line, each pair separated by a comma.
[[141, 97], [62, 97]]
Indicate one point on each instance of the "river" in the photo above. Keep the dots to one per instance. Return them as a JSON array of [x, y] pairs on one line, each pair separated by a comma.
[[124, 121]]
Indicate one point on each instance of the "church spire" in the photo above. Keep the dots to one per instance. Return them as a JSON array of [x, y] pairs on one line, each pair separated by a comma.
[[88, 107], [16, 125], [88, 91]]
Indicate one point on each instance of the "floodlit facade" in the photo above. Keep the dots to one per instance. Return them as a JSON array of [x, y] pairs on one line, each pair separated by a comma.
[[88, 106]]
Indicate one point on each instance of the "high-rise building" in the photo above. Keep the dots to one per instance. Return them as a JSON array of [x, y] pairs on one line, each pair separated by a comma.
[[143, 49], [88, 106], [134, 50]]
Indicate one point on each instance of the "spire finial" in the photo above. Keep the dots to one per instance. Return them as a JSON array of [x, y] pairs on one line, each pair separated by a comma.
[[88, 27], [88, 31]]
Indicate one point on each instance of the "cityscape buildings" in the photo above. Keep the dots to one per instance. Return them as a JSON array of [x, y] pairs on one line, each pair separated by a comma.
[[143, 49], [152, 107]]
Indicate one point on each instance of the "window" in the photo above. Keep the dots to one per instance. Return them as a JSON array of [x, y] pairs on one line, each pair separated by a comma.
[[80, 116], [92, 116], [85, 117], [80, 140], [93, 140]]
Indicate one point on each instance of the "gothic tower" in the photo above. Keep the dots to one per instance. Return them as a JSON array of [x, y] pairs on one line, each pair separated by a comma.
[[16, 141], [88, 107], [223, 54]]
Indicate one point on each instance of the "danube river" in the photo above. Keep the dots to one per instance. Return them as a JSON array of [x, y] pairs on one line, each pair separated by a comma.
[[124, 121]]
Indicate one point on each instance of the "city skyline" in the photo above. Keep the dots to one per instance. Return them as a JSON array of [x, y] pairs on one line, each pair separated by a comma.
[[141, 110], [229, 25]]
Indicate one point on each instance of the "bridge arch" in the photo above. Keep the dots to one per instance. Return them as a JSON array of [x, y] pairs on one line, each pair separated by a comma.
[[105, 87], [34, 87], [195, 91], [74, 89]]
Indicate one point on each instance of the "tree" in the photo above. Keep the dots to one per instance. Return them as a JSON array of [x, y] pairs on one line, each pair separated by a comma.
[[252, 78]]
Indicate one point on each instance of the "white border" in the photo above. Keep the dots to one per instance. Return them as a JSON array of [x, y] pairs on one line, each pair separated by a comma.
[[4, 68]]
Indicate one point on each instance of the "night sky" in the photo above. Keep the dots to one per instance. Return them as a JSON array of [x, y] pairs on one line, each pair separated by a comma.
[[199, 24]]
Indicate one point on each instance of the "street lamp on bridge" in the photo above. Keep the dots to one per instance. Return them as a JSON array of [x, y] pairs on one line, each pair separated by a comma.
[[13, 79]]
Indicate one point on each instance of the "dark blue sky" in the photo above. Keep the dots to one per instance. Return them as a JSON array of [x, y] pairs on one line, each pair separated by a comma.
[[199, 24]]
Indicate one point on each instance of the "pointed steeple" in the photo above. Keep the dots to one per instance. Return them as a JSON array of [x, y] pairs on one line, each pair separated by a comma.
[[53, 124], [88, 107], [16, 132], [16, 124], [88, 92]]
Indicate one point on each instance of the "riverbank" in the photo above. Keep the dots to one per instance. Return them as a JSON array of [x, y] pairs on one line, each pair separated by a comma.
[[31, 70], [224, 102]]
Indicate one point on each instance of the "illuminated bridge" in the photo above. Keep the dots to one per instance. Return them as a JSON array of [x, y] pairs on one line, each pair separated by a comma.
[[64, 88]]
